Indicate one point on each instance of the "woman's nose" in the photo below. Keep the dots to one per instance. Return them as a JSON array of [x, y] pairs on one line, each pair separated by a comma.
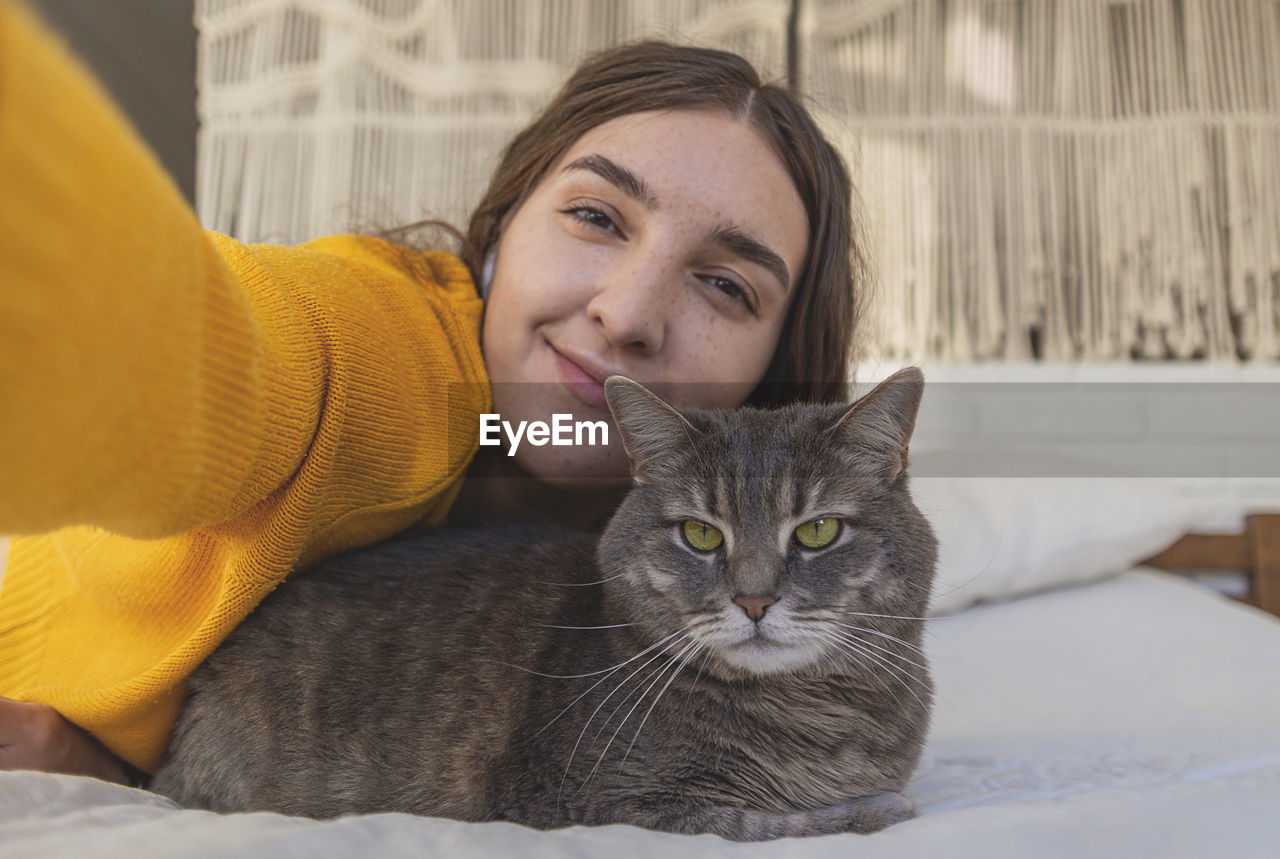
[[632, 305]]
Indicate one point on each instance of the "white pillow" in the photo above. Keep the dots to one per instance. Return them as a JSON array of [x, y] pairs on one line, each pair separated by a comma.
[[1005, 536]]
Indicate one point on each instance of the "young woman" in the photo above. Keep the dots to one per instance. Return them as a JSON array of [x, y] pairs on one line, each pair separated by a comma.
[[190, 419]]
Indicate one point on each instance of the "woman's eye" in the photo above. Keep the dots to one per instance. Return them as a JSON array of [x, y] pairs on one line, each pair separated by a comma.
[[731, 289], [817, 533], [702, 536], [592, 217]]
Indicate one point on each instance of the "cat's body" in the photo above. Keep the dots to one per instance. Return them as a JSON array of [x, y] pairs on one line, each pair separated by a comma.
[[449, 673]]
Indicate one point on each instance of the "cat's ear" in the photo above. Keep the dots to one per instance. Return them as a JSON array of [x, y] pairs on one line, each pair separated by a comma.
[[881, 422], [653, 433]]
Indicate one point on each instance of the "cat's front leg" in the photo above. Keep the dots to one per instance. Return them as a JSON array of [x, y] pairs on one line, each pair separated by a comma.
[[863, 814]]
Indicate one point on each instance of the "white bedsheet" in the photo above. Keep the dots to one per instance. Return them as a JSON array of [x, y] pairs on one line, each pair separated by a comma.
[[1138, 716]]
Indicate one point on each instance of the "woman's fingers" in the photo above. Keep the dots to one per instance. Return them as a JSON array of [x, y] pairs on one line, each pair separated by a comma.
[[37, 737]]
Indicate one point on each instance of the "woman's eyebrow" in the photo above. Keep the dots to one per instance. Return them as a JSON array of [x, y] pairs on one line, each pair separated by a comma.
[[731, 239], [739, 243], [618, 176]]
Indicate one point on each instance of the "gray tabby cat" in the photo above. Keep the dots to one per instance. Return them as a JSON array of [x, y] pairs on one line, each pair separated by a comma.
[[739, 653]]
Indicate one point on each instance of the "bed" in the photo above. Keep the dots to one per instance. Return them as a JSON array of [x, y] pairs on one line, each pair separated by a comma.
[[1088, 704]]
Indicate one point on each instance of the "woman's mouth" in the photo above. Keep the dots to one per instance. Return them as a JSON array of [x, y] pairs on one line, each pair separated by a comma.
[[581, 384]]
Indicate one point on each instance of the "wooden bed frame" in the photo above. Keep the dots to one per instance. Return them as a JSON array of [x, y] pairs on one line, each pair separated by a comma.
[[1256, 552]]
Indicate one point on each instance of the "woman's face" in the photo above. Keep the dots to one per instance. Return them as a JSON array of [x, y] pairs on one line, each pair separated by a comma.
[[663, 246]]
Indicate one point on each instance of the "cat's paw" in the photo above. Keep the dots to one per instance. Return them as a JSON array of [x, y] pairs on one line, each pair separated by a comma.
[[866, 814]]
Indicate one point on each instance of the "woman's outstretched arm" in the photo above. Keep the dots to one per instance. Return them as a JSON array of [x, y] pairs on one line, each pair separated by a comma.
[[132, 369], [217, 415]]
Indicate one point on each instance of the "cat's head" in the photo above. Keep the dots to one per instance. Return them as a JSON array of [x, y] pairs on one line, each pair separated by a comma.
[[781, 540]]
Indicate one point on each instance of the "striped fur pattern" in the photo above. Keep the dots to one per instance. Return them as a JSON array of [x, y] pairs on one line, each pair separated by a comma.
[[526, 673]]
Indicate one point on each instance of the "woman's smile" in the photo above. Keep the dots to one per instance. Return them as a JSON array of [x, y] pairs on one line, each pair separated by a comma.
[[582, 377]]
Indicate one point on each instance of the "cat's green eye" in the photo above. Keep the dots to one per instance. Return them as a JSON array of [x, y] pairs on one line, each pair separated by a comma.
[[817, 533], [702, 536]]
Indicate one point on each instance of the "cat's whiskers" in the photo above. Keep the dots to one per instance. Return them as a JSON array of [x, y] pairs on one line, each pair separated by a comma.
[[605, 723], [880, 648], [693, 627], [820, 618], [927, 630], [862, 645], [652, 679], [581, 584], [830, 638], [589, 673], [919, 650], [696, 646], [626, 698], [557, 626], [681, 633], [611, 672], [657, 676], [705, 660], [894, 671], [842, 610]]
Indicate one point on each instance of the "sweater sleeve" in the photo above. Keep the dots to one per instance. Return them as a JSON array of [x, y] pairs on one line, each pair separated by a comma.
[[156, 377]]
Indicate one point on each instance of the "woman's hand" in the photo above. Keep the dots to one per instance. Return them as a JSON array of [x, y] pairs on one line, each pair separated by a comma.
[[37, 737]]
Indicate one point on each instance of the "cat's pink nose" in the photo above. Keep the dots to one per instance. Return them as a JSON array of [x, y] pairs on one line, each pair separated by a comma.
[[754, 606]]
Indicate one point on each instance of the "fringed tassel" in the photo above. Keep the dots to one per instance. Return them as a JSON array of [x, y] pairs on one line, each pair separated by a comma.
[[1062, 179], [1052, 179], [324, 116]]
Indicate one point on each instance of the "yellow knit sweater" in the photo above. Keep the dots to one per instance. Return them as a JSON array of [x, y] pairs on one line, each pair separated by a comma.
[[192, 418]]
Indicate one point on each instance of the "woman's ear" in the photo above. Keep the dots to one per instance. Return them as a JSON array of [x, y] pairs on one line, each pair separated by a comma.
[[486, 273]]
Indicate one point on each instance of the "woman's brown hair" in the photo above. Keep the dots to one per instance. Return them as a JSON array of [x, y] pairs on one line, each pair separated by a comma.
[[812, 357]]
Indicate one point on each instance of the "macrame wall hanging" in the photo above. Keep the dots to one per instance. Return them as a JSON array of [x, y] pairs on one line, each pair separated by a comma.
[[323, 116], [1048, 179], [1081, 179]]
